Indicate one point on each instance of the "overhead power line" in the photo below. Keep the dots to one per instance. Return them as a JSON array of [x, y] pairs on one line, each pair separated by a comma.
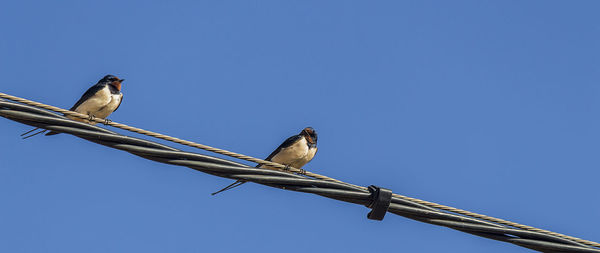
[[481, 225]]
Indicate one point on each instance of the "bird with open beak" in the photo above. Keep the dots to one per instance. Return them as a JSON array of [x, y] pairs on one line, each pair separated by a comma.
[[295, 152], [98, 101]]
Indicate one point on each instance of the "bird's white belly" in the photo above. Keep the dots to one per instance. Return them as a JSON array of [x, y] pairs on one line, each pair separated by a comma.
[[293, 155], [307, 158], [102, 104], [110, 107]]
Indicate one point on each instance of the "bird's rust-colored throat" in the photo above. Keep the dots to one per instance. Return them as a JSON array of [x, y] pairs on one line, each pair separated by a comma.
[[310, 139], [116, 84], [306, 133]]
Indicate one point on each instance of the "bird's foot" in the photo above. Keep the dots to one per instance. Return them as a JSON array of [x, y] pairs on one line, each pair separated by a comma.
[[287, 168], [92, 118], [302, 172], [107, 121]]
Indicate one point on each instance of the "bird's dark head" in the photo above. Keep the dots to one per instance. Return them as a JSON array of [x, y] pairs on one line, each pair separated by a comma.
[[112, 80], [310, 134]]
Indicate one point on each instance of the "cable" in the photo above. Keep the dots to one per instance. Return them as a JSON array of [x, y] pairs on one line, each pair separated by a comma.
[[281, 167], [408, 207]]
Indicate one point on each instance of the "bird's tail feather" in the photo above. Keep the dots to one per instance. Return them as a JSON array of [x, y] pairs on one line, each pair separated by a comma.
[[229, 187], [31, 135], [30, 131]]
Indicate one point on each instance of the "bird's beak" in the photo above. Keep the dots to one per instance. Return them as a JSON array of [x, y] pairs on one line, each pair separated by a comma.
[[121, 80]]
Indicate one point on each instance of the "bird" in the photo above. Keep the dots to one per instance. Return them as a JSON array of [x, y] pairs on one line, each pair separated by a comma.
[[98, 101], [296, 151]]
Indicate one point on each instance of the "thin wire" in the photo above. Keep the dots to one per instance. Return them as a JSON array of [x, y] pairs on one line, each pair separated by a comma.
[[280, 167]]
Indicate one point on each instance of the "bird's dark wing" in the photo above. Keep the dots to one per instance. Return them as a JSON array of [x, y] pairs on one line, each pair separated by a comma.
[[288, 142], [88, 94], [119, 103]]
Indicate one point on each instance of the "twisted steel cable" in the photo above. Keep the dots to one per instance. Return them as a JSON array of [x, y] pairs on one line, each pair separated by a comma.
[[424, 211]]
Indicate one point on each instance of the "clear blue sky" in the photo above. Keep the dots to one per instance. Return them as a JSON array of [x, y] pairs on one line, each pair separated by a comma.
[[489, 106]]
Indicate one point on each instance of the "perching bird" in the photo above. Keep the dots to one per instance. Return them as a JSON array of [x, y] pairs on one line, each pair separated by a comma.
[[294, 152], [98, 101]]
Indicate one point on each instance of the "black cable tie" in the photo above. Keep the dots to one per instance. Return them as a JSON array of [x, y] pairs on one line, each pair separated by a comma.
[[380, 202]]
